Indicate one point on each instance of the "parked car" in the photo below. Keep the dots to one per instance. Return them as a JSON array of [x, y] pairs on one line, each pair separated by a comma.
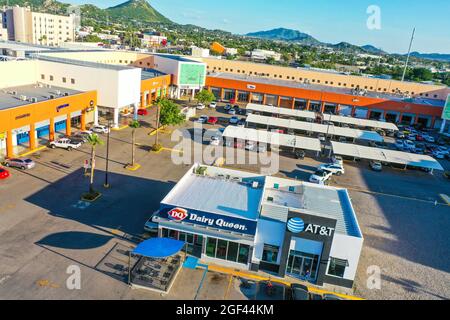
[[232, 112], [151, 226], [299, 154], [64, 143], [399, 145], [100, 129], [333, 168], [447, 174], [202, 119], [234, 120], [300, 292], [429, 139], [21, 163], [338, 160], [256, 147], [320, 176], [322, 137], [376, 166], [215, 141], [329, 296], [200, 106], [227, 107], [213, 105], [142, 112], [4, 174], [438, 155], [235, 144], [400, 135], [241, 123], [213, 120], [409, 145]]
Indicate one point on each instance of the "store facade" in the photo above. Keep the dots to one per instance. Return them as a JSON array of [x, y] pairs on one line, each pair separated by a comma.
[[279, 238]]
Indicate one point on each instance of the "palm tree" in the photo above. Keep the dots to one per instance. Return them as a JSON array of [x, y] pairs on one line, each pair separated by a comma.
[[134, 125], [158, 102], [94, 141]]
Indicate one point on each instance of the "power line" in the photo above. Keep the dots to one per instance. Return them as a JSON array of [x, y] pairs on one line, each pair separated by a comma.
[[409, 54]]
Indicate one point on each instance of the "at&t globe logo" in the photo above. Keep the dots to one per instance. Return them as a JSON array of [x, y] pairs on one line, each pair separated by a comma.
[[296, 225]]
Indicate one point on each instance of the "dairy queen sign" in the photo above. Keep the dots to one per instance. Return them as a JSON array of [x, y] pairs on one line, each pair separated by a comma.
[[210, 220]]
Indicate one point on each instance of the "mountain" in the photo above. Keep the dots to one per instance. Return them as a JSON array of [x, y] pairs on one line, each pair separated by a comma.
[[282, 34], [139, 10], [432, 56], [371, 49], [345, 46]]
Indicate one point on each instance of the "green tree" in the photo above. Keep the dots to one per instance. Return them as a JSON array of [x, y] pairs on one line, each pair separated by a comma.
[[133, 125], [94, 141], [205, 96], [168, 113]]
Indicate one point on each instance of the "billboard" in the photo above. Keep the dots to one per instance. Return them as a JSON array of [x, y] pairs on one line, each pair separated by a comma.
[[192, 74], [446, 113]]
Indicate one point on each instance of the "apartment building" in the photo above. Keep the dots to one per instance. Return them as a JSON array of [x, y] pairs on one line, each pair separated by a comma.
[[24, 25]]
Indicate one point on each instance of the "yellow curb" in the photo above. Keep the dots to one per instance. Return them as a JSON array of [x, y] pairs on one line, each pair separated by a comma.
[[156, 130], [31, 151], [172, 150], [288, 283], [446, 198], [120, 128], [136, 167]]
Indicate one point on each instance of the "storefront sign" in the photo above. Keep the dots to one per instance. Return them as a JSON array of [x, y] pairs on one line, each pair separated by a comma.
[[446, 112], [297, 225], [210, 220], [251, 87], [58, 108], [22, 116]]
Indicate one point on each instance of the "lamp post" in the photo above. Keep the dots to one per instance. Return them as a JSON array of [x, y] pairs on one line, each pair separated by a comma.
[[106, 184]]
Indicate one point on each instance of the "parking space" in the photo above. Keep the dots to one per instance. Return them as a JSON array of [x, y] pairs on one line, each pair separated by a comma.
[[45, 228]]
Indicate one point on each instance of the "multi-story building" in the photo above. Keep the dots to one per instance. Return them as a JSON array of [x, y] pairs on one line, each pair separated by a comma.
[[259, 54], [24, 25]]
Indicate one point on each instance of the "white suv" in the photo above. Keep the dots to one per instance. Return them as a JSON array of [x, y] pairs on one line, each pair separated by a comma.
[[320, 176], [100, 129], [334, 168], [64, 144]]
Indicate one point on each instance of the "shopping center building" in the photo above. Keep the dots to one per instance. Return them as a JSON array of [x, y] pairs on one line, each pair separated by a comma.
[[326, 91], [263, 223]]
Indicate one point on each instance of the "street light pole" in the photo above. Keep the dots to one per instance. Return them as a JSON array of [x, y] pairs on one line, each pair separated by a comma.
[[106, 184]]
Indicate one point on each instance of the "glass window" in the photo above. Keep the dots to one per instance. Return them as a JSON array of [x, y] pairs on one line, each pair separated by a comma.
[[243, 253], [270, 253], [337, 267], [173, 234], [221, 249], [211, 247], [232, 251]]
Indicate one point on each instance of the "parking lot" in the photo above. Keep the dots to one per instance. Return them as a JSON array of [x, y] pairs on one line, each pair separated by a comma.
[[45, 228]]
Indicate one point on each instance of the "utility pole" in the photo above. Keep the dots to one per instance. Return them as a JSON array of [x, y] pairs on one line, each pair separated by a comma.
[[106, 184], [409, 54]]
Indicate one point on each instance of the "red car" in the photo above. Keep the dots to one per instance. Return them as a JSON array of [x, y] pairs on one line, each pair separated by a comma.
[[213, 120], [142, 112], [419, 138], [4, 174]]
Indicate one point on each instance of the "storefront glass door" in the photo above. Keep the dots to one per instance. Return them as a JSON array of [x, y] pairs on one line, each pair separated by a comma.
[[302, 265]]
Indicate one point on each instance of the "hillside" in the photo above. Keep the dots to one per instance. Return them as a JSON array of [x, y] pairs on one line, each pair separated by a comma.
[[432, 56], [283, 34], [139, 10]]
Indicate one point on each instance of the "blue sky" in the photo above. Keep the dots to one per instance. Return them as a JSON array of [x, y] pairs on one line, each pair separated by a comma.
[[327, 20]]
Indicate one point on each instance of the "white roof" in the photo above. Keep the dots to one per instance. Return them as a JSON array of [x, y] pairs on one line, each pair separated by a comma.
[[361, 122], [315, 127], [312, 115], [275, 138], [283, 111], [384, 155]]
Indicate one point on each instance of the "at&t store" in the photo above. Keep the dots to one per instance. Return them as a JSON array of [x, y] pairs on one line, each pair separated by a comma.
[[284, 227]]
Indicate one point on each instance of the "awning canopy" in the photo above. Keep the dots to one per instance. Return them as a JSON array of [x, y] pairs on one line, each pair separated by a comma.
[[385, 155], [281, 111], [272, 138], [158, 248], [315, 127]]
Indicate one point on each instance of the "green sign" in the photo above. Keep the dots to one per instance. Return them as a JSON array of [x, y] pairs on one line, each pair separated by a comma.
[[446, 113], [192, 74]]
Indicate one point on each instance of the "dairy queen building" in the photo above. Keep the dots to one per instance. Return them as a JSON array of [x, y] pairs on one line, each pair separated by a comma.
[[253, 222]]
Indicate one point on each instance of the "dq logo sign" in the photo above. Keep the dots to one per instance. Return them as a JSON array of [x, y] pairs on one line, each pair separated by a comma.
[[177, 214], [296, 225]]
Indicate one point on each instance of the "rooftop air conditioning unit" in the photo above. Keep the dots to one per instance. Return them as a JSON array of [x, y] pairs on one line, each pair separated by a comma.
[[255, 184], [23, 98], [66, 94], [52, 96], [33, 100], [14, 93], [58, 92]]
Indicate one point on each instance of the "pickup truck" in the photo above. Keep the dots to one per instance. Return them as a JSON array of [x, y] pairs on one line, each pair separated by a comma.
[[65, 143]]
